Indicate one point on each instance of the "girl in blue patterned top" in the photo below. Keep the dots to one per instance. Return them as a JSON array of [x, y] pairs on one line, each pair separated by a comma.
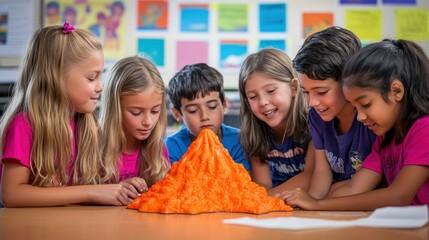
[[274, 130]]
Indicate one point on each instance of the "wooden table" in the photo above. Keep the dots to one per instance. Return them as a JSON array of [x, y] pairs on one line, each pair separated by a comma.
[[105, 222]]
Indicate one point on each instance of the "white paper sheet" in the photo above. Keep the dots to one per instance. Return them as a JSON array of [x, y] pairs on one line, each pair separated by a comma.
[[388, 217]]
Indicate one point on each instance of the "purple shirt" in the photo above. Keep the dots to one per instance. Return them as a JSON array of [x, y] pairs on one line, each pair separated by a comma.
[[345, 152], [413, 150]]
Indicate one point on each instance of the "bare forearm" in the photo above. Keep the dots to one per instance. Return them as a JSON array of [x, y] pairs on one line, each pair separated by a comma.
[[26, 196], [364, 201], [319, 185], [340, 189], [301, 180]]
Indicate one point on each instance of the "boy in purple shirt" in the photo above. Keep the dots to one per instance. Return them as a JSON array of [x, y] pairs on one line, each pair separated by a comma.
[[341, 142]]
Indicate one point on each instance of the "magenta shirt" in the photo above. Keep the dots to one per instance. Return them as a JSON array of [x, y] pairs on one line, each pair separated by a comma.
[[129, 167], [413, 150], [19, 140]]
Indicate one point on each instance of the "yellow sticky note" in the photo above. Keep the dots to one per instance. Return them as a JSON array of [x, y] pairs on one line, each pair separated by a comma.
[[366, 24]]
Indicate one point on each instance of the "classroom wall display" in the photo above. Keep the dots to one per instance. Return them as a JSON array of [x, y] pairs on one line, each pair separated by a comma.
[[221, 33], [194, 17], [371, 2], [316, 21], [232, 17], [272, 17], [106, 19], [366, 24], [152, 15], [191, 52]]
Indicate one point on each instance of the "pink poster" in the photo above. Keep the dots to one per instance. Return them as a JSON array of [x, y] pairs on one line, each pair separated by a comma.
[[190, 52]]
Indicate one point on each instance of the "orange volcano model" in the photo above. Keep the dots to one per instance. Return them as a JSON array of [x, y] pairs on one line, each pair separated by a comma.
[[206, 179]]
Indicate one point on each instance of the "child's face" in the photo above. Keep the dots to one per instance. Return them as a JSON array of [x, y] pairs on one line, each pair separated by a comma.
[[140, 114], [373, 111], [83, 83], [203, 112], [325, 96], [269, 99]]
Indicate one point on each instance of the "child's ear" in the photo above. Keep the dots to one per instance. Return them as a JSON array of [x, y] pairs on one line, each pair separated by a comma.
[[176, 114], [294, 85], [225, 105], [397, 90]]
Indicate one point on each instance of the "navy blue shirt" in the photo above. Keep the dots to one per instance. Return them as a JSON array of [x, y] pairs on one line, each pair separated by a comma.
[[286, 160]]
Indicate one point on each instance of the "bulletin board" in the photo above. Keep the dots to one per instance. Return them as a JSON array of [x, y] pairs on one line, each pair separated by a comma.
[[223, 33]]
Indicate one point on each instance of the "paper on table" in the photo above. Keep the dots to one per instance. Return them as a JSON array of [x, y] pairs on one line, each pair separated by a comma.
[[388, 217]]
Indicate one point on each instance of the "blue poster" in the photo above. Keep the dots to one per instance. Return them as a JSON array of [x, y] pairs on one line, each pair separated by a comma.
[[408, 2], [368, 2], [152, 49], [194, 18], [272, 17], [279, 44], [232, 54]]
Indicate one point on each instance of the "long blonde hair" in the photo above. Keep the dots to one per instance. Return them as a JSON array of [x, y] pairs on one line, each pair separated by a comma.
[[41, 96], [254, 133], [130, 76]]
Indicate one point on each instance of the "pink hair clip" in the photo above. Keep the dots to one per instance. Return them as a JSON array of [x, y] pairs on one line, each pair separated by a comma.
[[68, 27]]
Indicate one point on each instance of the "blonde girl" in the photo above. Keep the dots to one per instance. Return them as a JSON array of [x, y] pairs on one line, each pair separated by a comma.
[[49, 130], [133, 122]]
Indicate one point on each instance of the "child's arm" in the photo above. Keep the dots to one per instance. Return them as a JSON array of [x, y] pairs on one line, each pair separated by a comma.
[[261, 173], [301, 180], [400, 193], [322, 176], [363, 182], [16, 192]]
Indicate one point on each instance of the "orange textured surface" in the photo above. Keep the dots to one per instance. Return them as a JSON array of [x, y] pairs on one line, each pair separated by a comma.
[[206, 179]]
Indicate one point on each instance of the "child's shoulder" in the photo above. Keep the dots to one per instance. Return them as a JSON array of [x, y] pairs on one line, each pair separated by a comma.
[[20, 119], [424, 119], [183, 132], [421, 124], [229, 130]]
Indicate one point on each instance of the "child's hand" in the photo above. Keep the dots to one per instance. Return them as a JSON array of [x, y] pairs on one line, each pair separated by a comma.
[[135, 185], [298, 197], [110, 194]]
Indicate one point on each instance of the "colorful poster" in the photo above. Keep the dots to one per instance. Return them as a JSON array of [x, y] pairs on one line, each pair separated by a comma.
[[232, 53], [190, 52], [152, 15], [233, 17], [106, 19], [152, 49], [3, 28], [404, 2], [370, 2], [194, 18], [272, 17], [279, 44], [366, 24], [412, 24], [314, 22]]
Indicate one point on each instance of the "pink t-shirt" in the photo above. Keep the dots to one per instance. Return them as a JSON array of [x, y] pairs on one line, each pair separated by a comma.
[[19, 140], [129, 167], [413, 150]]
